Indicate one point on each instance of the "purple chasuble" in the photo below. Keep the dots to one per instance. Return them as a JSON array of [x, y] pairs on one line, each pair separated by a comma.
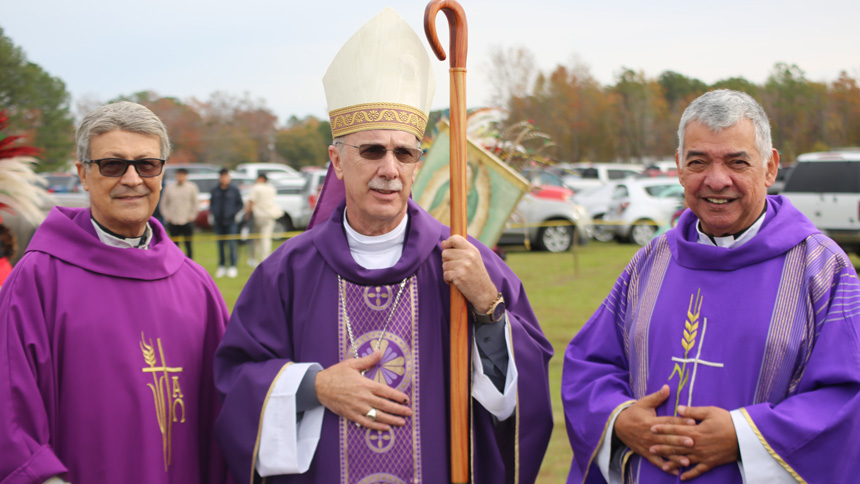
[[290, 312], [106, 361], [770, 327]]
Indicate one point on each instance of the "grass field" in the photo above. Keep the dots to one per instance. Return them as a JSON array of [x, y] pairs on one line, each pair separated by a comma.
[[564, 290]]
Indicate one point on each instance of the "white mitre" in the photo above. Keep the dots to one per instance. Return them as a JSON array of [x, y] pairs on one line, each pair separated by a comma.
[[381, 79]]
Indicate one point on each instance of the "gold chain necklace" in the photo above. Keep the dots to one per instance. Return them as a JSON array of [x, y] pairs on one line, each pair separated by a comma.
[[342, 294]]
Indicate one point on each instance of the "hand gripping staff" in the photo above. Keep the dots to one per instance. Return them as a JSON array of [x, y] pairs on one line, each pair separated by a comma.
[[459, 311]]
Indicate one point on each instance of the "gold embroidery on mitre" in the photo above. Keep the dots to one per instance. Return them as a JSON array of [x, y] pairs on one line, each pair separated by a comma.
[[166, 393], [363, 117]]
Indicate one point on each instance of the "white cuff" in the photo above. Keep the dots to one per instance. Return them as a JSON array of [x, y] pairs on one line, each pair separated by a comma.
[[609, 467], [757, 464], [501, 405], [287, 445]]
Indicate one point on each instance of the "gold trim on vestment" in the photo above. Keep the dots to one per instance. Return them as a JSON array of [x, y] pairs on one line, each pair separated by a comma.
[[624, 460], [418, 468], [641, 326], [618, 409], [770, 450], [782, 324], [260, 425], [363, 117]]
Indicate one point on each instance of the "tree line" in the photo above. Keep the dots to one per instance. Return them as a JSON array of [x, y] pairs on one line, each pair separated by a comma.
[[633, 120], [636, 119]]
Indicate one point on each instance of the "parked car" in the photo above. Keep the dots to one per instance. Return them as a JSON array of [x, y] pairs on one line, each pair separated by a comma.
[[660, 168], [62, 183], [289, 199], [779, 184], [191, 168], [825, 187], [596, 202], [640, 206], [583, 176], [271, 170], [310, 193], [205, 183], [547, 223], [545, 176]]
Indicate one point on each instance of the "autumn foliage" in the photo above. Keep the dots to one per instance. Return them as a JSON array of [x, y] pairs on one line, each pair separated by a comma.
[[636, 119]]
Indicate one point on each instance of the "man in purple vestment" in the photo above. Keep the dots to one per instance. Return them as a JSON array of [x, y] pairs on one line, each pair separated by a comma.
[[108, 332], [728, 349], [335, 365]]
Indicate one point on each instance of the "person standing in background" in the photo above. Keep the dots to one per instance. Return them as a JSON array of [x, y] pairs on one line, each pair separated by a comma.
[[224, 204], [179, 202], [261, 204]]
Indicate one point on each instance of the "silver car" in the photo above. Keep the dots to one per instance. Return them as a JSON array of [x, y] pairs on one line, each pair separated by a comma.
[[551, 224]]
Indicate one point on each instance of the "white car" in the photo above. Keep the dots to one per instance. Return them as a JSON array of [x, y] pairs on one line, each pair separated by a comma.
[[310, 193], [547, 223], [639, 207], [273, 171], [596, 202], [826, 188], [289, 199], [584, 176]]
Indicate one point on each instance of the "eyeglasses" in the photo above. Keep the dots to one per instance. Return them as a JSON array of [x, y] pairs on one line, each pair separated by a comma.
[[377, 152], [116, 167]]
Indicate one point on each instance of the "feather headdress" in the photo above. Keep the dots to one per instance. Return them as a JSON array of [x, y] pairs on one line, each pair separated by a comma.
[[20, 187]]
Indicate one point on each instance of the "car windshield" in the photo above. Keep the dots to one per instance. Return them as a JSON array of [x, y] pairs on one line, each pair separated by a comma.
[[673, 191], [586, 172], [656, 190]]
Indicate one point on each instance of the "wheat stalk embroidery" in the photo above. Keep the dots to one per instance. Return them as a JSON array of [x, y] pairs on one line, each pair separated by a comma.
[[165, 399], [691, 330]]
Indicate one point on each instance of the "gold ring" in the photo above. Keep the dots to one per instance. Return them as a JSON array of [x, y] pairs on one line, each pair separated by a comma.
[[371, 414]]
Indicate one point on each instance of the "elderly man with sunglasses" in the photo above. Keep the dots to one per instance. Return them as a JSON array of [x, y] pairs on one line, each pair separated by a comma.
[[107, 331], [334, 367]]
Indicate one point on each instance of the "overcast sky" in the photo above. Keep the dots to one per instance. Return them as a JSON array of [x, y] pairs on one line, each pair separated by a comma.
[[278, 50]]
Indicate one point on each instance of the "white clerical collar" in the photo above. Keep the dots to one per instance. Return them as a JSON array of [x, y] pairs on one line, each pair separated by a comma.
[[731, 241], [113, 240], [376, 251]]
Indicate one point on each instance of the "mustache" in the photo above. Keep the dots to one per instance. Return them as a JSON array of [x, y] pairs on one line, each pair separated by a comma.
[[394, 185], [125, 192]]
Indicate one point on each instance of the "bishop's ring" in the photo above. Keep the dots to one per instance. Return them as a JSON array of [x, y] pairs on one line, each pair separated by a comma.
[[371, 414]]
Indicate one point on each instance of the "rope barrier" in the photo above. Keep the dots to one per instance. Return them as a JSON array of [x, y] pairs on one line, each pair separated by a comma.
[[287, 235]]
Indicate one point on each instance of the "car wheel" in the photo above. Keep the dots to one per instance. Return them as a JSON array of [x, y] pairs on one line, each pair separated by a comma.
[[557, 238], [602, 233], [642, 232]]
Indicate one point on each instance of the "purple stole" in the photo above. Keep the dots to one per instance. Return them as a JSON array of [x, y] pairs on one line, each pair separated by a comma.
[[368, 456]]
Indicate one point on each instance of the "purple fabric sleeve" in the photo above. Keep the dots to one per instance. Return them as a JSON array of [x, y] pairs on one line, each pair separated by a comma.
[[821, 418], [24, 410]]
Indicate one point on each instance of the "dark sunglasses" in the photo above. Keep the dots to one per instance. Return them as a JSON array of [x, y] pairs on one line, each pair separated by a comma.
[[116, 167], [377, 152]]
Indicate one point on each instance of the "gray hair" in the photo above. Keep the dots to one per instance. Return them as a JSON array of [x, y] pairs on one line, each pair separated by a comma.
[[338, 142], [723, 109], [123, 116]]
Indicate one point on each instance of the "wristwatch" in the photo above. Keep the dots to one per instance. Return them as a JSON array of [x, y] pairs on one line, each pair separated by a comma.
[[494, 314]]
